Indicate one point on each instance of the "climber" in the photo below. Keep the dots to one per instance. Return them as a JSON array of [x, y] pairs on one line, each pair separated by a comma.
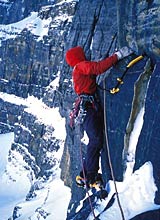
[[88, 110]]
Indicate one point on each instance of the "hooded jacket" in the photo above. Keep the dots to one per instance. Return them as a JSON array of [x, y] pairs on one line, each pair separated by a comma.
[[85, 72]]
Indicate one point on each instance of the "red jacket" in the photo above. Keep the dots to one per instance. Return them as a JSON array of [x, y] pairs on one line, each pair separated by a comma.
[[85, 72]]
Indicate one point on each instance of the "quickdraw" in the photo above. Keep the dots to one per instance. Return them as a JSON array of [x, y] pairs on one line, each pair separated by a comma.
[[73, 114], [116, 89], [79, 110]]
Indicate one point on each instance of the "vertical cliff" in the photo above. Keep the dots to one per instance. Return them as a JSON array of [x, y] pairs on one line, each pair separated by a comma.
[[137, 26], [32, 63]]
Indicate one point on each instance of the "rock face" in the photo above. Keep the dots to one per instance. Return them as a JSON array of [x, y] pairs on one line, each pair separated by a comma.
[[13, 11], [137, 27], [28, 66]]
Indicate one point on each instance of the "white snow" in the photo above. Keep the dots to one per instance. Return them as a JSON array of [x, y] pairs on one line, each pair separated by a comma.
[[17, 177], [44, 114], [33, 23], [137, 191], [14, 180], [37, 26], [53, 200], [133, 143], [5, 144], [136, 195], [85, 139], [55, 83], [62, 2], [4, 1]]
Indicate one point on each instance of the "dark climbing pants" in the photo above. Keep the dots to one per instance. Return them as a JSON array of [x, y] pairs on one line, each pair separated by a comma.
[[93, 125]]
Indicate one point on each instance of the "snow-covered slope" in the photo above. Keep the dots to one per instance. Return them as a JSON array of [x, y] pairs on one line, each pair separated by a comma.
[[33, 23], [51, 197], [136, 195], [17, 178]]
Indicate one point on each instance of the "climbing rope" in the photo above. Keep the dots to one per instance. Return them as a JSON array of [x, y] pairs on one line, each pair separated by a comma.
[[113, 91], [84, 175], [109, 156]]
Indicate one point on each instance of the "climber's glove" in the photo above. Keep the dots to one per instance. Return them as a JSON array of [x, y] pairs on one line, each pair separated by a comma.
[[124, 52]]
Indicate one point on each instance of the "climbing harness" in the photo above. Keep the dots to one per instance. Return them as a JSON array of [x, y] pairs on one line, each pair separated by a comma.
[[109, 156], [77, 116], [74, 112], [85, 101], [79, 110], [120, 80]]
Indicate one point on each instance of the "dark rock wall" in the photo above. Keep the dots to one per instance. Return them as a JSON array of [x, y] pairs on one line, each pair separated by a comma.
[[147, 149], [118, 109], [137, 27], [13, 11], [142, 33], [28, 66], [138, 24], [7, 118], [95, 36]]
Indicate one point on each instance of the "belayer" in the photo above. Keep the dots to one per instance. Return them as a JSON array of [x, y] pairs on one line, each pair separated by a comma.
[[87, 108]]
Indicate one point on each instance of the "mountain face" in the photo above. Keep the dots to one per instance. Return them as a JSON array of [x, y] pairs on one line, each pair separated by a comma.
[[34, 37], [13, 11]]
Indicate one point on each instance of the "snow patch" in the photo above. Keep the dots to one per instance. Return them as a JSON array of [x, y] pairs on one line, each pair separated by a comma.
[[50, 203], [33, 23], [15, 178], [133, 142], [136, 194], [5, 144]]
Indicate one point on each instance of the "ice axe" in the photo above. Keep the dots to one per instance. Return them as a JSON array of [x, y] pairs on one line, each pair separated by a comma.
[[120, 80]]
